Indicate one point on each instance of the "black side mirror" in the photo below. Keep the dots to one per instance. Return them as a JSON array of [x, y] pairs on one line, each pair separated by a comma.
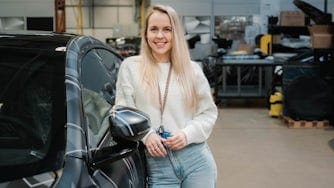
[[128, 123], [106, 155]]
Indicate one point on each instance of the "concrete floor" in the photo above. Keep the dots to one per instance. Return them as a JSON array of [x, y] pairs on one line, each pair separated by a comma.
[[253, 150]]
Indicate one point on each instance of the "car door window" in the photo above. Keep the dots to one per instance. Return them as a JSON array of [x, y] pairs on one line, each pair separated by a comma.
[[98, 77], [32, 110]]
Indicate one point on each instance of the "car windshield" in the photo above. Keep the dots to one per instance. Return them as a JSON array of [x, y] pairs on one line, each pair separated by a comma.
[[32, 108]]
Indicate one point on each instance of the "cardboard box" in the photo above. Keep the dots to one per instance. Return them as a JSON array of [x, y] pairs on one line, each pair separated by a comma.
[[245, 47], [292, 18], [322, 36], [277, 39]]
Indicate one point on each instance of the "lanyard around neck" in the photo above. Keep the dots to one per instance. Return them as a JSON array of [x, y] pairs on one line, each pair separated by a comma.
[[162, 102]]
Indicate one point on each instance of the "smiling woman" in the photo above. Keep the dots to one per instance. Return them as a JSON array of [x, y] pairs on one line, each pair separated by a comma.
[[164, 83], [159, 36]]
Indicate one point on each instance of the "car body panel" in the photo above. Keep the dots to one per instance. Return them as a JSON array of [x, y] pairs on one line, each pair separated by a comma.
[[76, 155]]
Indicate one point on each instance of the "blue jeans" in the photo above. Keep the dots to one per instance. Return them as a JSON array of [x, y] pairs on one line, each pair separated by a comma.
[[191, 167]]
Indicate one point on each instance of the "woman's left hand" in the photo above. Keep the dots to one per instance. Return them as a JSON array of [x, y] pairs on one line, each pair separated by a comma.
[[177, 141]]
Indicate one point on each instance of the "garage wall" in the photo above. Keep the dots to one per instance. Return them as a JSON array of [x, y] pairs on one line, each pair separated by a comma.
[[14, 13], [259, 9], [200, 7], [27, 8], [234, 7], [113, 18], [103, 18]]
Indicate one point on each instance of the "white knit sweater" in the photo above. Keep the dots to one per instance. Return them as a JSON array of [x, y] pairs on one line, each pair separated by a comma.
[[196, 126]]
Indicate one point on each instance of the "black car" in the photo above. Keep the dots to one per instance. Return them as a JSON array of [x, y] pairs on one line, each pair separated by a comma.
[[59, 126]]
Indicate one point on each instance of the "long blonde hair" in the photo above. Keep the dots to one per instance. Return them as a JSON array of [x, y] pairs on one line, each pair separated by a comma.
[[180, 58]]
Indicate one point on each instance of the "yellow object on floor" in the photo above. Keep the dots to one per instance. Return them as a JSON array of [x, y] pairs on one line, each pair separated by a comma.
[[276, 104], [266, 44]]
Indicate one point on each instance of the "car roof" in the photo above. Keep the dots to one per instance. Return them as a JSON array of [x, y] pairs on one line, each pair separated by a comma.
[[41, 40]]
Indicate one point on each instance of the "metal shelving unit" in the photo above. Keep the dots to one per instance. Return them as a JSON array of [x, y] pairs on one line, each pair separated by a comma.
[[243, 89]]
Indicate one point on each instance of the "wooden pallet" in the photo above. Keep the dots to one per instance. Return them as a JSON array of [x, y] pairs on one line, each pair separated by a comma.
[[291, 123]]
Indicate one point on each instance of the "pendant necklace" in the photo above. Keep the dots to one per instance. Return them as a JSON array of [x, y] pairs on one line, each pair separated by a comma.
[[162, 101]]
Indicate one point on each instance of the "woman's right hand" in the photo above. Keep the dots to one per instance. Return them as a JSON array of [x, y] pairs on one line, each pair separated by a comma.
[[154, 145]]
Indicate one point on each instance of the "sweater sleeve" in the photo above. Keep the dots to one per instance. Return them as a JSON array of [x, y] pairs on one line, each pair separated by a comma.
[[124, 87], [200, 127]]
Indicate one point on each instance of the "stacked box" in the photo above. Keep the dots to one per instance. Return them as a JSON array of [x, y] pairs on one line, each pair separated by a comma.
[[322, 36], [292, 18]]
